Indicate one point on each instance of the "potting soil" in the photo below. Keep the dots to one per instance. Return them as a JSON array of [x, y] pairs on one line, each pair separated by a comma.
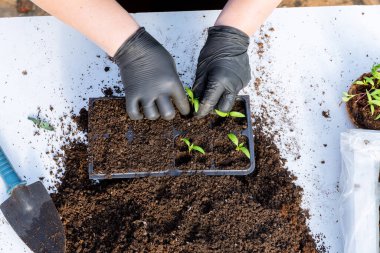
[[256, 213]]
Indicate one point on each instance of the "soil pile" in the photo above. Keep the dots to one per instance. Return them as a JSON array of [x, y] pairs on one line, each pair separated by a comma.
[[256, 213]]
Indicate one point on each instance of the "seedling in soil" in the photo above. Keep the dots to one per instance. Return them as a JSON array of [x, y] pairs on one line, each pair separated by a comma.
[[41, 124], [230, 114], [372, 92], [192, 147], [193, 101], [239, 146], [346, 97]]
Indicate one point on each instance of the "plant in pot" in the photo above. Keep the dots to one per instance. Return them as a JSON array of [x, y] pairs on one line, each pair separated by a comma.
[[363, 100]]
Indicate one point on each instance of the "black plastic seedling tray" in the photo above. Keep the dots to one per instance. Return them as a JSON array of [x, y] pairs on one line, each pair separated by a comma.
[[213, 171]]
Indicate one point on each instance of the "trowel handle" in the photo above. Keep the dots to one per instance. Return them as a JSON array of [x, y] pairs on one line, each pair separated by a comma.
[[8, 174]]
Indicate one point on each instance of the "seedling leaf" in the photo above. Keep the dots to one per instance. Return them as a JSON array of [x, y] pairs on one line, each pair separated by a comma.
[[186, 141], [237, 115], [378, 117], [233, 138], [360, 83], [196, 104], [189, 93], [34, 120], [41, 124], [372, 109], [375, 92], [368, 96], [199, 149], [221, 114], [246, 152], [375, 102], [374, 71]]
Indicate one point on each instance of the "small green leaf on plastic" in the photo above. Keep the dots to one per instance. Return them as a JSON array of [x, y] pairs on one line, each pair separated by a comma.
[[41, 124], [34, 120], [237, 115], [246, 152], [196, 105], [199, 149], [233, 138], [221, 114]]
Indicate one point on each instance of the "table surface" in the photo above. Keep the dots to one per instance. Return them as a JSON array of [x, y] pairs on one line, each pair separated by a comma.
[[309, 57]]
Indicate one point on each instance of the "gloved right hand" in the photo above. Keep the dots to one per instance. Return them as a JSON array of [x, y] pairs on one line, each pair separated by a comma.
[[150, 78]]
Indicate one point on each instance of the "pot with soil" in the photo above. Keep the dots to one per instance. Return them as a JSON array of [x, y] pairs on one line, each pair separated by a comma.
[[363, 100]]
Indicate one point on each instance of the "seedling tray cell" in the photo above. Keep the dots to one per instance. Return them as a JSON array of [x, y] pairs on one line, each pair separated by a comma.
[[148, 137]]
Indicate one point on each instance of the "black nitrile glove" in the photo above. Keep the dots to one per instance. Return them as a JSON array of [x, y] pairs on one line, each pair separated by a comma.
[[150, 78], [223, 69]]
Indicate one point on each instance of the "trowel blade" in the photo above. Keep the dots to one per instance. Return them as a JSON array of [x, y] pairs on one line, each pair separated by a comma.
[[32, 214]]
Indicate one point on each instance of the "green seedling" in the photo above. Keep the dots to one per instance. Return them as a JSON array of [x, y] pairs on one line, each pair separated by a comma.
[[373, 80], [347, 97], [371, 94], [239, 146], [230, 114], [192, 147], [193, 101], [41, 124]]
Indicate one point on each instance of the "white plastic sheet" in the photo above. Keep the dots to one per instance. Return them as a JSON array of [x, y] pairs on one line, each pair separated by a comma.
[[359, 184]]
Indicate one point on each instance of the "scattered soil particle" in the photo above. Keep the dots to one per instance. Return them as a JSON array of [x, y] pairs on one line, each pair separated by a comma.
[[326, 114], [82, 120], [106, 69], [24, 72], [256, 213], [107, 91]]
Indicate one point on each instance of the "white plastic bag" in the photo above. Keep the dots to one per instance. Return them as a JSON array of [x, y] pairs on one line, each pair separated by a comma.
[[359, 206]]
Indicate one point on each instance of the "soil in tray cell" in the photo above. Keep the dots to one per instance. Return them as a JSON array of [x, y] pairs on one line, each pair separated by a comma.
[[210, 133], [118, 144]]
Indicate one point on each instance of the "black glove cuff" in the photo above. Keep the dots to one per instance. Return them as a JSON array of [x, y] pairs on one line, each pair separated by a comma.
[[229, 32], [124, 48]]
